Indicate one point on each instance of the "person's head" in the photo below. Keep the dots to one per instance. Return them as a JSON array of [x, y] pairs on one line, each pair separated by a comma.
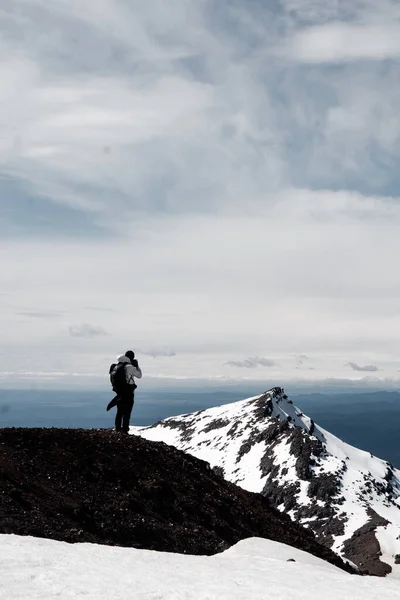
[[130, 354]]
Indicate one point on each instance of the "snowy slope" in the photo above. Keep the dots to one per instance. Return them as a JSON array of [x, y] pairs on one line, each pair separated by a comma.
[[41, 569], [350, 499]]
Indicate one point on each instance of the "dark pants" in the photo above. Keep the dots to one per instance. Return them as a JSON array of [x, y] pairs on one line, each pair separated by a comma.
[[124, 409]]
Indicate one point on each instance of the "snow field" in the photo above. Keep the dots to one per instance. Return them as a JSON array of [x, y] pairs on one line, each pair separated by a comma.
[[254, 569]]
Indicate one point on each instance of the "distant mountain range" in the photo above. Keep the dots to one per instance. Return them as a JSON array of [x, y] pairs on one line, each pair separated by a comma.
[[349, 498]]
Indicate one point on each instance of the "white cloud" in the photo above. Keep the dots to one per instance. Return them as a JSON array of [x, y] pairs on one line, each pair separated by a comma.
[[86, 330], [301, 359], [215, 289], [252, 363], [365, 368], [249, 204], [341, 42], [40, 314], [158, 353]]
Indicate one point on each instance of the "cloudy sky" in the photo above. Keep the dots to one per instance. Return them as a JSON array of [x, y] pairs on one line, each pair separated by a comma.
[[214, 184]]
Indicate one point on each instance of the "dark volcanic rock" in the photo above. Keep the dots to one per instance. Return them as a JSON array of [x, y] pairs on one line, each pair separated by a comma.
[[97, 486], [363, 548], [216, 424]]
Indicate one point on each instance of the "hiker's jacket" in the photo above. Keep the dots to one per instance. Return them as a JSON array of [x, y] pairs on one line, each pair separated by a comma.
[[130, 371]]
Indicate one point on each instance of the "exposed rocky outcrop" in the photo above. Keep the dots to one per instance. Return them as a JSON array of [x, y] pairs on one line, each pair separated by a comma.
[[363, 547]]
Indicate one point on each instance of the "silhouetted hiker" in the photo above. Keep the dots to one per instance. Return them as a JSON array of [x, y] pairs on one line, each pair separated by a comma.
[[122, 376]]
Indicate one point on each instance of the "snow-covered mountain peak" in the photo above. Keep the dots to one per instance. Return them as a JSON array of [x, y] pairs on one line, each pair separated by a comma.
[[265, 444]]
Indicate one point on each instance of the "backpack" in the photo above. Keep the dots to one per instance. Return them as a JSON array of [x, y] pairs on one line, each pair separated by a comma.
[[117, 377]]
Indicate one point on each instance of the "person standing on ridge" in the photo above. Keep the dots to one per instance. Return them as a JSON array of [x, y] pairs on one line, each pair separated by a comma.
[[122, 376]]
